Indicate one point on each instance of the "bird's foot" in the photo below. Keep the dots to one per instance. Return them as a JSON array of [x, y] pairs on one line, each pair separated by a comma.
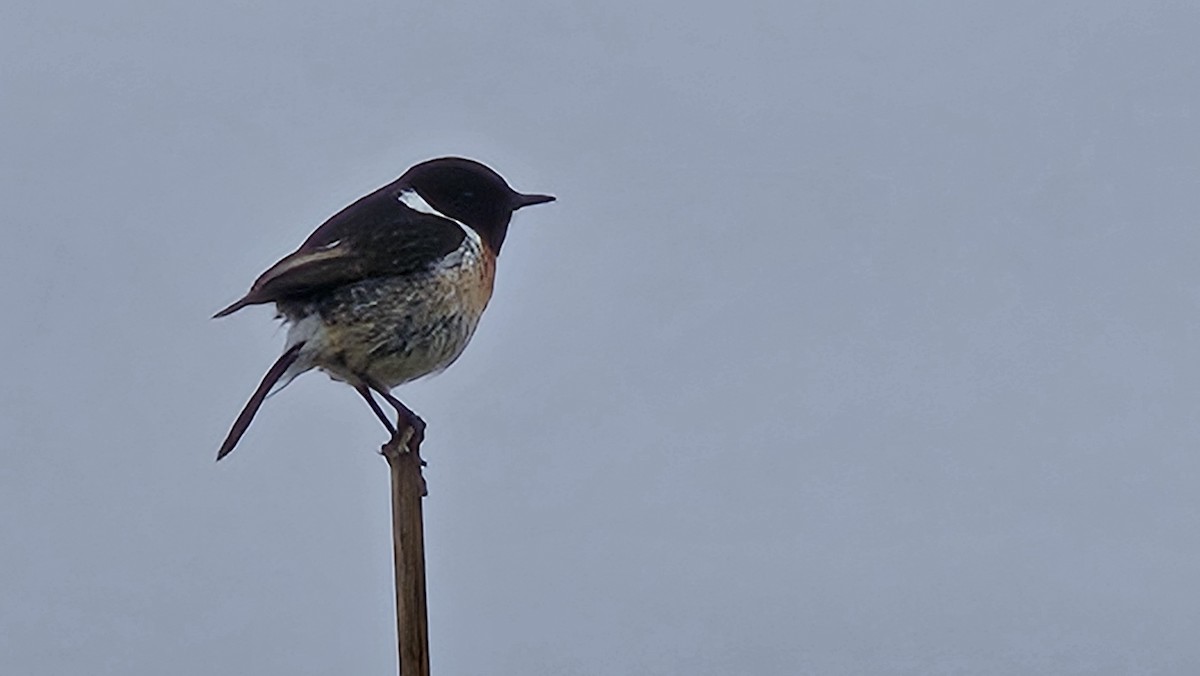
[[406, 439], [399, 448]]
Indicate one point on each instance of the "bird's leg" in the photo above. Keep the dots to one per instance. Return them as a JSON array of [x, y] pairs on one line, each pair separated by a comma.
[[366, 394], [405, 419]]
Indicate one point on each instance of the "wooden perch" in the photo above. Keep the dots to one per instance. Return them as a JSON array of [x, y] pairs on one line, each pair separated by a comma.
[[408, 541]]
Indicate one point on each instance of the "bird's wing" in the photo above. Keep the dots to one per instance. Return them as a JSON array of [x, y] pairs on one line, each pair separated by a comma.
[[377, 236]]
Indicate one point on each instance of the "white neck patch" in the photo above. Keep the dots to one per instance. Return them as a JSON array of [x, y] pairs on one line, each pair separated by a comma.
[[413, 200]]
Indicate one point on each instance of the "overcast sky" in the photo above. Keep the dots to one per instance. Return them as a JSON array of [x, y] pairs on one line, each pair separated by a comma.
[[861, 340]]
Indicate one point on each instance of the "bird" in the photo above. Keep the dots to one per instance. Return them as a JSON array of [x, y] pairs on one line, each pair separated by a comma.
[[389, 289]]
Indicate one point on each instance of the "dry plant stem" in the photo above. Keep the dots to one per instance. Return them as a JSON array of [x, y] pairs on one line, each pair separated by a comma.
[[408, 540]]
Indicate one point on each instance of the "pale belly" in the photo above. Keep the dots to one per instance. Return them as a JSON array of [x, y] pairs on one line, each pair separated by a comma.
[[393, 330]]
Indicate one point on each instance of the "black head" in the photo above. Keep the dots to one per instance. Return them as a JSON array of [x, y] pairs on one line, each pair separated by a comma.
[[470, 192]]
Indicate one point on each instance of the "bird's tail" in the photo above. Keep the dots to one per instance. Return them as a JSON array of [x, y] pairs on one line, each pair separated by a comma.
[[277, 371], [231, 309]]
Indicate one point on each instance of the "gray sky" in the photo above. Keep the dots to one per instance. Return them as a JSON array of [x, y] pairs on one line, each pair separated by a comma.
[[862, 338]]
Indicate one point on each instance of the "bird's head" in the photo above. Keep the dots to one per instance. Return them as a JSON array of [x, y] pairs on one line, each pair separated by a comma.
[[470, 192]]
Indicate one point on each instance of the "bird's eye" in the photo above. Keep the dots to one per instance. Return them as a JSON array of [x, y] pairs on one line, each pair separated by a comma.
[[467, 195]]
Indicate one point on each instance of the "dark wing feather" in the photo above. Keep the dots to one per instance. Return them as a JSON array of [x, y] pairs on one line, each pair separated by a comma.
[[377, 236]]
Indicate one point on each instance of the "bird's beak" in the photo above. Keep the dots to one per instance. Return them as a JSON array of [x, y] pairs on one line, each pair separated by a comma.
[[520, 200]]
